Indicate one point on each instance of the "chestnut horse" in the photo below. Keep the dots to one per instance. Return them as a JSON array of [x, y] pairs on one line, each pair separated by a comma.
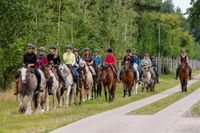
[[184, 75], [127, 77], [109, 80]]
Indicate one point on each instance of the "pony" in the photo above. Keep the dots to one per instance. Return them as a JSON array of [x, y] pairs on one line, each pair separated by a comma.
[[146, 79], [184, 76], [27, 86], [70, 84], [136, 83], [127, 78], [89, 82], [109, 80]]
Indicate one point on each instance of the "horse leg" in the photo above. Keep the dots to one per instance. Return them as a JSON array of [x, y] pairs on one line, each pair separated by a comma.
[[67, 97], [21, 104], [29, 108], [113, 92], [110, 94], [136, 88], [129, 91], [73, 92], [105, 93], [54, 100], [47, 102]]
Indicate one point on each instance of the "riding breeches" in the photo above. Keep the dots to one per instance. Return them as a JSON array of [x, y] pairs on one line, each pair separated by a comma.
[[75, 73], [153, 75], [92, 70]]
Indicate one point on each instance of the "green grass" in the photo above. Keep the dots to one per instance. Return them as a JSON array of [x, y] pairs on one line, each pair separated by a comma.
[[157, 106], [195, 111], [11, 121]]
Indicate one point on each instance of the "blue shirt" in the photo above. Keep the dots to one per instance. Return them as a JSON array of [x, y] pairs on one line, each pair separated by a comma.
[[97, 59], [137, 61]]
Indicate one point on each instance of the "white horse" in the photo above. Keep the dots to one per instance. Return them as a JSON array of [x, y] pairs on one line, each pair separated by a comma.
[[135, 87], [70, 84], [87, 92], [146, 78], [27, 86]]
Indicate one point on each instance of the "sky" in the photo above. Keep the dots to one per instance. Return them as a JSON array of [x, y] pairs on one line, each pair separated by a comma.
[[183, 4]]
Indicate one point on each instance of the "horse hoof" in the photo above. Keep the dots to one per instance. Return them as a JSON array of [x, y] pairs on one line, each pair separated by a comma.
[[42, 110]]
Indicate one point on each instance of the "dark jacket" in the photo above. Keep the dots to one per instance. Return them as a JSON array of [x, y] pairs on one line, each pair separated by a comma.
[[30, 58], [56, 61]]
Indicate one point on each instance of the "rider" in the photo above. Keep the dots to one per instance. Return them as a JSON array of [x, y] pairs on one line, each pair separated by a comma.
[[183, 58], [137, 61], [41, 58], [110, 60], [155, 68], [77, 56], [30, 60], [89, 60], [97, 58], [54, 58], [127, 57], [70, 60], [147, 62]]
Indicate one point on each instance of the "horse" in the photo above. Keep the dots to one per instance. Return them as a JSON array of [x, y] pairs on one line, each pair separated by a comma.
[[70, 84], [45, 77], [146, 79], [97, 87], [127, 78], [55, 87], [136, 83], [184, 76], [89, 82], [27, 86], [109, 80]]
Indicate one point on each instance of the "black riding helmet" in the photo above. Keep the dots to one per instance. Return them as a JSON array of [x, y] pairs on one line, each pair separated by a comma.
[[128, 51], [109, 50]]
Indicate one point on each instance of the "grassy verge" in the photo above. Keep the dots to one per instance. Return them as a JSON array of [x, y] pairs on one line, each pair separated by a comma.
[[195, 111], [11, 121], [165, 102]]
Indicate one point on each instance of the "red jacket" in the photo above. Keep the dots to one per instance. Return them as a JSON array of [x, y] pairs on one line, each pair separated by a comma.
[[41, 60], [110, 59]]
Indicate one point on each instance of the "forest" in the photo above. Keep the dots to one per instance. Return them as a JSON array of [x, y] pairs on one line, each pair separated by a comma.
[[119, 24]]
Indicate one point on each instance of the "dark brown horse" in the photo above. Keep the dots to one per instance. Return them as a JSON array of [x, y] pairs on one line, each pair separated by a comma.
[[109, 81], [184, 76], [127, 77], [97, 87]]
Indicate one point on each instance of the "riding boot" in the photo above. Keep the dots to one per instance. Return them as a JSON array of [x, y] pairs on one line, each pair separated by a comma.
[[38, 76], [16, 88]]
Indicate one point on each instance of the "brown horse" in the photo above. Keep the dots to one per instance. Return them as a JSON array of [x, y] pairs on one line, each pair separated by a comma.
[[109, 81], [184, 76], [127, 77]]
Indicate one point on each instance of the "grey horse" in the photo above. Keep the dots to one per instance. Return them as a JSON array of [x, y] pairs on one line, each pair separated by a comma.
[[27, 86]]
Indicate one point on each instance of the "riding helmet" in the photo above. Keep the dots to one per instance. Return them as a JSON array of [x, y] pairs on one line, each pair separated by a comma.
[[109, 50], [128, 51], [69, 46], [53, 47], [41, 49], [75, 50], [30, 45], [97, 50], [135, 53], [87, 49]]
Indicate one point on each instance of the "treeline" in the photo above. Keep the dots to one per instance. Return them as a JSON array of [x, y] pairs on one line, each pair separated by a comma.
[[119, 24]]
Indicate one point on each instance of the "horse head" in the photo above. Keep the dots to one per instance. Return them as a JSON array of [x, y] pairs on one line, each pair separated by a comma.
[[127, 65], [184, 65], [25, 74], [105, 72]]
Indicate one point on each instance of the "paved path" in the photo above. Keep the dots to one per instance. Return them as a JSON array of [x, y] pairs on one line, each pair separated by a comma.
[[118, 121]]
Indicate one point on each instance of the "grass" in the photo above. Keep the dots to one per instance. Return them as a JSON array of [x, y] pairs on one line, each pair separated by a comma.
[[195, 111], [11, 121], [157, 106]]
